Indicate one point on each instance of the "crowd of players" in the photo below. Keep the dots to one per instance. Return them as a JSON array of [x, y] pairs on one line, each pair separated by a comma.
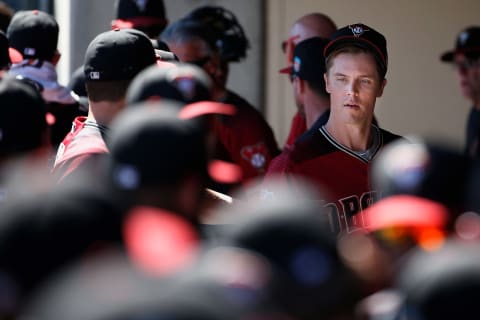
[[148, 189]]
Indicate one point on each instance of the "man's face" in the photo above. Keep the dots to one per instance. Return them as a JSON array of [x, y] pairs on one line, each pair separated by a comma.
[[468, 76], [354, 85], [197, 52]]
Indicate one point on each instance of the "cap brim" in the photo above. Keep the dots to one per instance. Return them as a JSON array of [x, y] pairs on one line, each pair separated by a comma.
[[202, 108], [286, 70], [225, 172], [164, 64], [405, 211], [15, 55], [352, 40], [447, 56]]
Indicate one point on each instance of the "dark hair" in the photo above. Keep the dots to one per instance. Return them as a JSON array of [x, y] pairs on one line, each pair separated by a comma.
[[106, 90], [318, 87], [188, 29], [381, 70], [231, 40]]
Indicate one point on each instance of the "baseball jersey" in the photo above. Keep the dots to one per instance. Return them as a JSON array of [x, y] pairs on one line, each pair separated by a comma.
[[472, 148], [247, 139], [340, 174], [80, 147], [297, 128]]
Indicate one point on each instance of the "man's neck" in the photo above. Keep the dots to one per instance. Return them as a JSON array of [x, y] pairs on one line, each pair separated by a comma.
[[314, 108], [103, 112], [356, 137]]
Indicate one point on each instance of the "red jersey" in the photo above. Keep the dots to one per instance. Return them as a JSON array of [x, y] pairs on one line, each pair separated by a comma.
[[297, 128], [247, 138], [83, 143], [340, 174]]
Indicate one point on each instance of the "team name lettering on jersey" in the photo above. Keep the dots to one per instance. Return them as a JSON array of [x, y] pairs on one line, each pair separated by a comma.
[[345, 215]]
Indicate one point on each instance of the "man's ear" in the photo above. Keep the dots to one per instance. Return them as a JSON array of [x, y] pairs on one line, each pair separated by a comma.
[[327, 84], [382, 86]]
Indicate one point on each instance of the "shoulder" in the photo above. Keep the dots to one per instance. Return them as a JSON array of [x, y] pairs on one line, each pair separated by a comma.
[[388, 136], [313, 145]]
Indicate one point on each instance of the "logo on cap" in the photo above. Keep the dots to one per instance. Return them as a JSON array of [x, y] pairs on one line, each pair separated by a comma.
[[463, 37], [94, 75], [141, 4], [255, 154], [29, 51], [357, 30], [297, 62]]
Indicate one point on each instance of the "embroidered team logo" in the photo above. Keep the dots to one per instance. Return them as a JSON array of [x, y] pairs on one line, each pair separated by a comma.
[[141, 4], [94, 75], [255, 154], [358, 29], [297, 62], [187, 86], [463, 38]]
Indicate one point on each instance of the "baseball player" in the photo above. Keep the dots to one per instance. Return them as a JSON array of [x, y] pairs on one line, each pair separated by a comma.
[[466, 59], [33, 37], [246, 138], [337, 157], [311, 98], [310, 25], [112, 60], [148, 16]]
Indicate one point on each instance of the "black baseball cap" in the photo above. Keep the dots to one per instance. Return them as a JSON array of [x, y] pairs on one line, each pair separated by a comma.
[[362, 36], [134, 13], [467, 43], [308, 61], [440, 284], [4, 52], [33, 34], [153, 144], [117, 55], [181, 82], [22, 117]]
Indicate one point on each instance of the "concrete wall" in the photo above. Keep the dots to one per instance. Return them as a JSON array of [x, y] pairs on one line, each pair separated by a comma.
[[422, 96]]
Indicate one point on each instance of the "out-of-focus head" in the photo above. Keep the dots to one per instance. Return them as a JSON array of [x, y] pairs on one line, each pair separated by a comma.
[[194, 42], [109, 287], [310, 25], [181, 82], [77, 85], [440, 284], [23, 125], [292, 233], [163, 145], [424, 169], [467, 44], [465, 57], [231, 40], [148, 16], [33, 34]]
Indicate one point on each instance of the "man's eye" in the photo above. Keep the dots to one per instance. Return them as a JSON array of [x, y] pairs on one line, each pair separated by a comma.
[[341, 79]]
